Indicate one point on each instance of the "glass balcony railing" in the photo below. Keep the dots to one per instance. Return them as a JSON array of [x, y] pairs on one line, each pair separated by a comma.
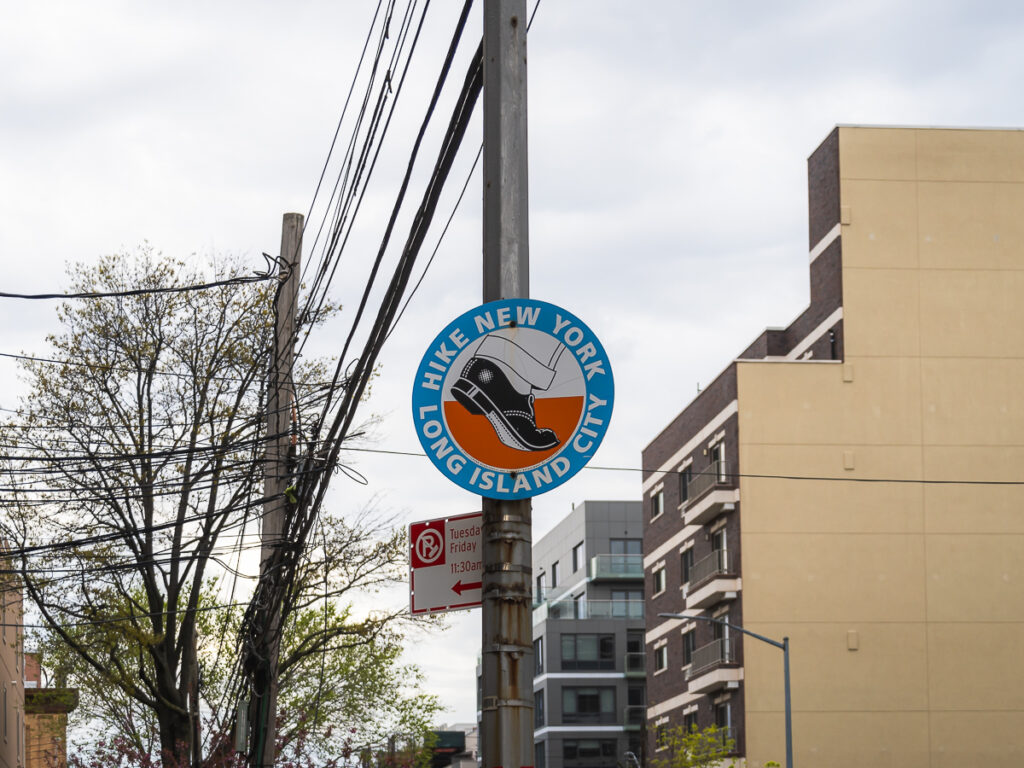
[[595, 609], [633, 717], [636, 663], [617, 567]]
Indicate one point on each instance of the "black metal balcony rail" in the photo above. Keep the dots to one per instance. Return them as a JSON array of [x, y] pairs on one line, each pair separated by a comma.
[[705, 569], [715, 476], [707, 657]]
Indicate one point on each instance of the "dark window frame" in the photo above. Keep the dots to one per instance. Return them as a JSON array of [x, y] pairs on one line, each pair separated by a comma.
[[604, 645]]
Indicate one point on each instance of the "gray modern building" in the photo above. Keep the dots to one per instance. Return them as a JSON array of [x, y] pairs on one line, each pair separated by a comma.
[[588, 636]]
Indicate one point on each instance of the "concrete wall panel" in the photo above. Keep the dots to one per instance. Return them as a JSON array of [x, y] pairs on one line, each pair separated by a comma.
[[970, 225], [833, 577], [883, 223]]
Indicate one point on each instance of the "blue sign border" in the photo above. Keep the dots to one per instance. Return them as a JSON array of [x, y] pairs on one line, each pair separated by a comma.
[[576, 451]]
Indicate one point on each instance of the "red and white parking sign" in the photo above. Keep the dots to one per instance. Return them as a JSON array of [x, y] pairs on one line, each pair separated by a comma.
[[445, 564]]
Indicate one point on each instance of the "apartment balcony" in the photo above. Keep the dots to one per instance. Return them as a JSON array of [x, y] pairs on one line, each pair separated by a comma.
[[636, 664], [714, 666], [541, 597], [633, 717], [617, 567], [591, 609], [709, 494], [712, 580]]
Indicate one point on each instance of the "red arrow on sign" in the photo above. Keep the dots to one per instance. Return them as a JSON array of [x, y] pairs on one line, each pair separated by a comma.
[[458, 587]]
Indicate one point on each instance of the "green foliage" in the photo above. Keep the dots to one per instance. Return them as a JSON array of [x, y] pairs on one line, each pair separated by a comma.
[[694, 748]]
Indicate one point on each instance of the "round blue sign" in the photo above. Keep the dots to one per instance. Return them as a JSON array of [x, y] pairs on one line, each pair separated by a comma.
[[513, 398]]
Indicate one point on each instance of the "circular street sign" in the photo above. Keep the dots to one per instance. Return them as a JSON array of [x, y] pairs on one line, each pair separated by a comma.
[[513, 398]]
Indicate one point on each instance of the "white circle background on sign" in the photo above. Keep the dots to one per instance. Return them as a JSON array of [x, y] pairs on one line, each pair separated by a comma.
[[429, 540]]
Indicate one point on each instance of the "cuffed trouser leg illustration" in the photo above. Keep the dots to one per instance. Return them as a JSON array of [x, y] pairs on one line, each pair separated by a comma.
[[498, 382]]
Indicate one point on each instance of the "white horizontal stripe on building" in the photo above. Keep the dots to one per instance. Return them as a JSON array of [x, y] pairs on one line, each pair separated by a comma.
[[709, 429]]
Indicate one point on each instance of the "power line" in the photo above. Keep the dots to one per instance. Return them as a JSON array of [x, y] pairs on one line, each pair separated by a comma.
[[259, 277], [735, 475]]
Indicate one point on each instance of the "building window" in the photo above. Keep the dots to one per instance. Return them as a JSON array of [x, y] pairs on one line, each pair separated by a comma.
[[579, 606], [589, 752], [625, 556], [588, 652], [661, 736], [661, 658], [627, 603], [723, 715], [689, 645], [626, 546], [538, 656], [590, 704], [658, 581], [717, 456], [577, 557], [539, 758], [657, 504], [685, 565], [685, 476], [636, 698], [634, 641], [554, 574], [539, 596], [538, 709], [690, 721]]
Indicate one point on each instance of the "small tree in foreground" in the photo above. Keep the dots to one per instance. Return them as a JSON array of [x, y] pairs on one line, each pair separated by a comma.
[[684, 747]]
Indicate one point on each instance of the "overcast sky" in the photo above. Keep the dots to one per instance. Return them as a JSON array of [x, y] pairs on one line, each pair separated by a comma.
[[668, 146]]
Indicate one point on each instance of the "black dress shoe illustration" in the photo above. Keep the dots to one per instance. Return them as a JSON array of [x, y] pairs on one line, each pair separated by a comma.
[[483, 388]]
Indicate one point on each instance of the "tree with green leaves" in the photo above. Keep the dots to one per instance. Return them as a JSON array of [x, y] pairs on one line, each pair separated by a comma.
[[682, 747], [135, 473]]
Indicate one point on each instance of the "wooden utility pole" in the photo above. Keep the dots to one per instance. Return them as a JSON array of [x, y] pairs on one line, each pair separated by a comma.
[[280, 403], [506, 727]]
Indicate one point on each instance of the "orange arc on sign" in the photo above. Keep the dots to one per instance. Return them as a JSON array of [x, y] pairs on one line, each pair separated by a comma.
[[476, 436]]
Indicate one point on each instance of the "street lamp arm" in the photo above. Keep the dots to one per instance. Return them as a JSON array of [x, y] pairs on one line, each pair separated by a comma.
[[738, 628]]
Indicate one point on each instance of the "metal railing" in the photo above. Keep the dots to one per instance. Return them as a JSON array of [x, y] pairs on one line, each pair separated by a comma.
[[595, 609], [636, 663], [715, 475], [708, 567], [617, 567], [721, 651]]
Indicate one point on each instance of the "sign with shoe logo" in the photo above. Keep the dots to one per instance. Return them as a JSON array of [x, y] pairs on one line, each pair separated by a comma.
[[513, 398], [445, 564]]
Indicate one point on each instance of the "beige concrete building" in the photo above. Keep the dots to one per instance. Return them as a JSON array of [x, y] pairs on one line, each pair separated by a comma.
[[903, 599], [12, 686], [46, 718]]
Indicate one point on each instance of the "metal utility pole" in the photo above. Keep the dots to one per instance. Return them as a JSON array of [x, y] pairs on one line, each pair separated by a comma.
[[506, 727], [280, 402]]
